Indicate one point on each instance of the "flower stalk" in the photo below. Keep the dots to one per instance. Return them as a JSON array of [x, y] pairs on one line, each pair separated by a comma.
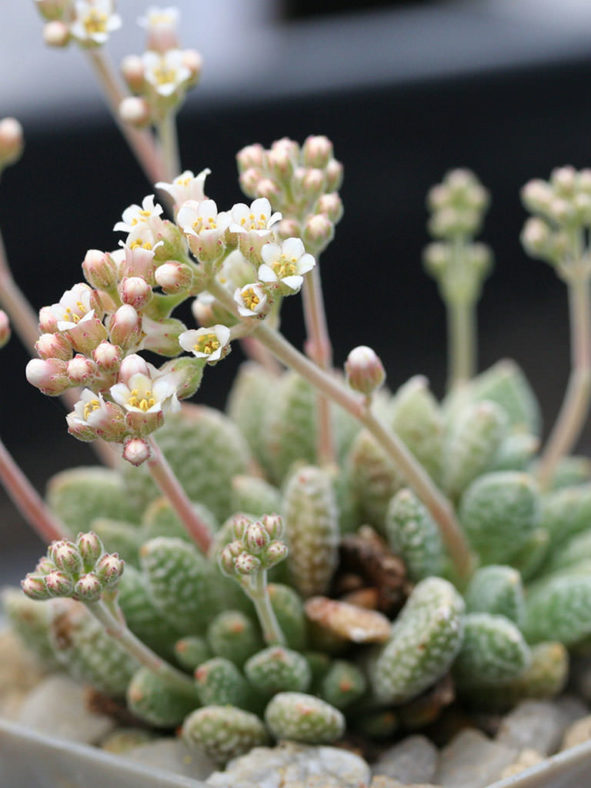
[[257, 590], [167, 134]]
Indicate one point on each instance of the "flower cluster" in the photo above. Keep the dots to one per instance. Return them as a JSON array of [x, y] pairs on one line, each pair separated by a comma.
[[301, 181], [80, 570], [257, 546], [161, 76], [87, 22]]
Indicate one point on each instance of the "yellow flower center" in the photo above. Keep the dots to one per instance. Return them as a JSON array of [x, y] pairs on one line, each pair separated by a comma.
[[139, 245], [74, 317], [204, 223], [183, 181], [163, 74], [284, 267], [252, 223], [251, 299], [142, 401], [91, 406], [143, 216], [208, 344], [96, 22]]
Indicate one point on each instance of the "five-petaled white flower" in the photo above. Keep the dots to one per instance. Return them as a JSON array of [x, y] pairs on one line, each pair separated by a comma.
[[74, 307], [161, 25], [200, 218], [186, 186], [146, 394], [251, 300], [94, 20], [211, 344], [284, 265], [256, 218], [140, 217], [166, 72]]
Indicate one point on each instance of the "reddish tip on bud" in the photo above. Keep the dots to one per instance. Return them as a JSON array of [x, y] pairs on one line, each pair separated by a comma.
[[135, 291], [333, 173], [273, 524], [65, 556], [34, 587], [255, 538], [44, 566], [332, 205], [54, 346], [246, 564], [4, 328], [135, 111], [132, 69], [81, 371], [249, 181], [48, 375], [59, 584], [11, 141], [364, 370], [239, 525], [109, 568], [318, 231], [174, 277], [266, 187], [274, 554], [317, 151], [125, 327], [90, 548], [88, 588], [250, 156], [107, 356], [136, 451], [47, 320], [56, 34], [99, 269]]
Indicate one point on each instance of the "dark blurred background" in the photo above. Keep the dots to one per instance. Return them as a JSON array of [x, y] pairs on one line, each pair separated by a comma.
[[406, 91]]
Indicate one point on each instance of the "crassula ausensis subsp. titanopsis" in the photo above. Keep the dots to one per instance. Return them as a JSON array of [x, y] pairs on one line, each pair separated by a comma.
[[326, 552]]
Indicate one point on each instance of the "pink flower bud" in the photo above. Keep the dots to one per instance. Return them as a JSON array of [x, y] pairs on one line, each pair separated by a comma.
[[65, 556], [174, 277], [34, 587], [132, 69], [48, 375], [332, 205], [318, 231], [249, 181], [228, 558], [273, 524], [125, 327], [11, 141], [135, 291], [280, 162], [99, 269], [107, 356], [90, 548], [56, 34], [193, 61], [87, 335], [250, 156], [317, 151], [135, 111], [255, 538], [312, 184], [88, 588], [47, 320], [240, 523], [136, 451], [267, 188], [4, 328], [80, 429], [81, 371], [246, 564], [109, 568], [287, 146], [274, 554], [364, 370], [333, 173], [288, 228], [44, 566], [131, 365], [59, 584], [54, 346]]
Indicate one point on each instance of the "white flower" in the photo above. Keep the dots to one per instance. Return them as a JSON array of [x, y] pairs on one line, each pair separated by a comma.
[[94, 20], [186, 186], [74, 307], [204, 227], [208, 343], [138, 217], [166, 71], [161, 26], [155, 17], [256, 218], [251, 300], [90, 409], [146, 394], [285, 264]]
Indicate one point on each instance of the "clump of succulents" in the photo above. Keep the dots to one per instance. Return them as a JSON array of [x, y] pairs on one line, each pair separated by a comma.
[[326, 554]]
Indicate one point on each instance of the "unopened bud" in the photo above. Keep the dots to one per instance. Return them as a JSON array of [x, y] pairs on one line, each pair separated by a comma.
[[332, 205], [34, 587], [132, 69], [255, 538], [136, 451], [162, 336], [267, 187], [174, 277], [288, 228], [135, 291], [44, 566], [131, 365], [187, 373], [247, 564], [56, 34], [537, 195], [88, 588], [59, 584], [65, 556], [54, 346], [11, 141], [47, 320], [274, 554], [90, 548], [99, 269], [364, 370], [81, 370], [228, 557], [125, 327], [239, 525], [318, 231], [135, 111], [249, 181], [333, 174], [4, 328], [273, 524], [561, 210], [311, 183], [193, 61], [52, 9], [280, 162], [107, 356], [48, 375], [109, 568], [250, 156], [564, 180], [535, 236], [317, 151]]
